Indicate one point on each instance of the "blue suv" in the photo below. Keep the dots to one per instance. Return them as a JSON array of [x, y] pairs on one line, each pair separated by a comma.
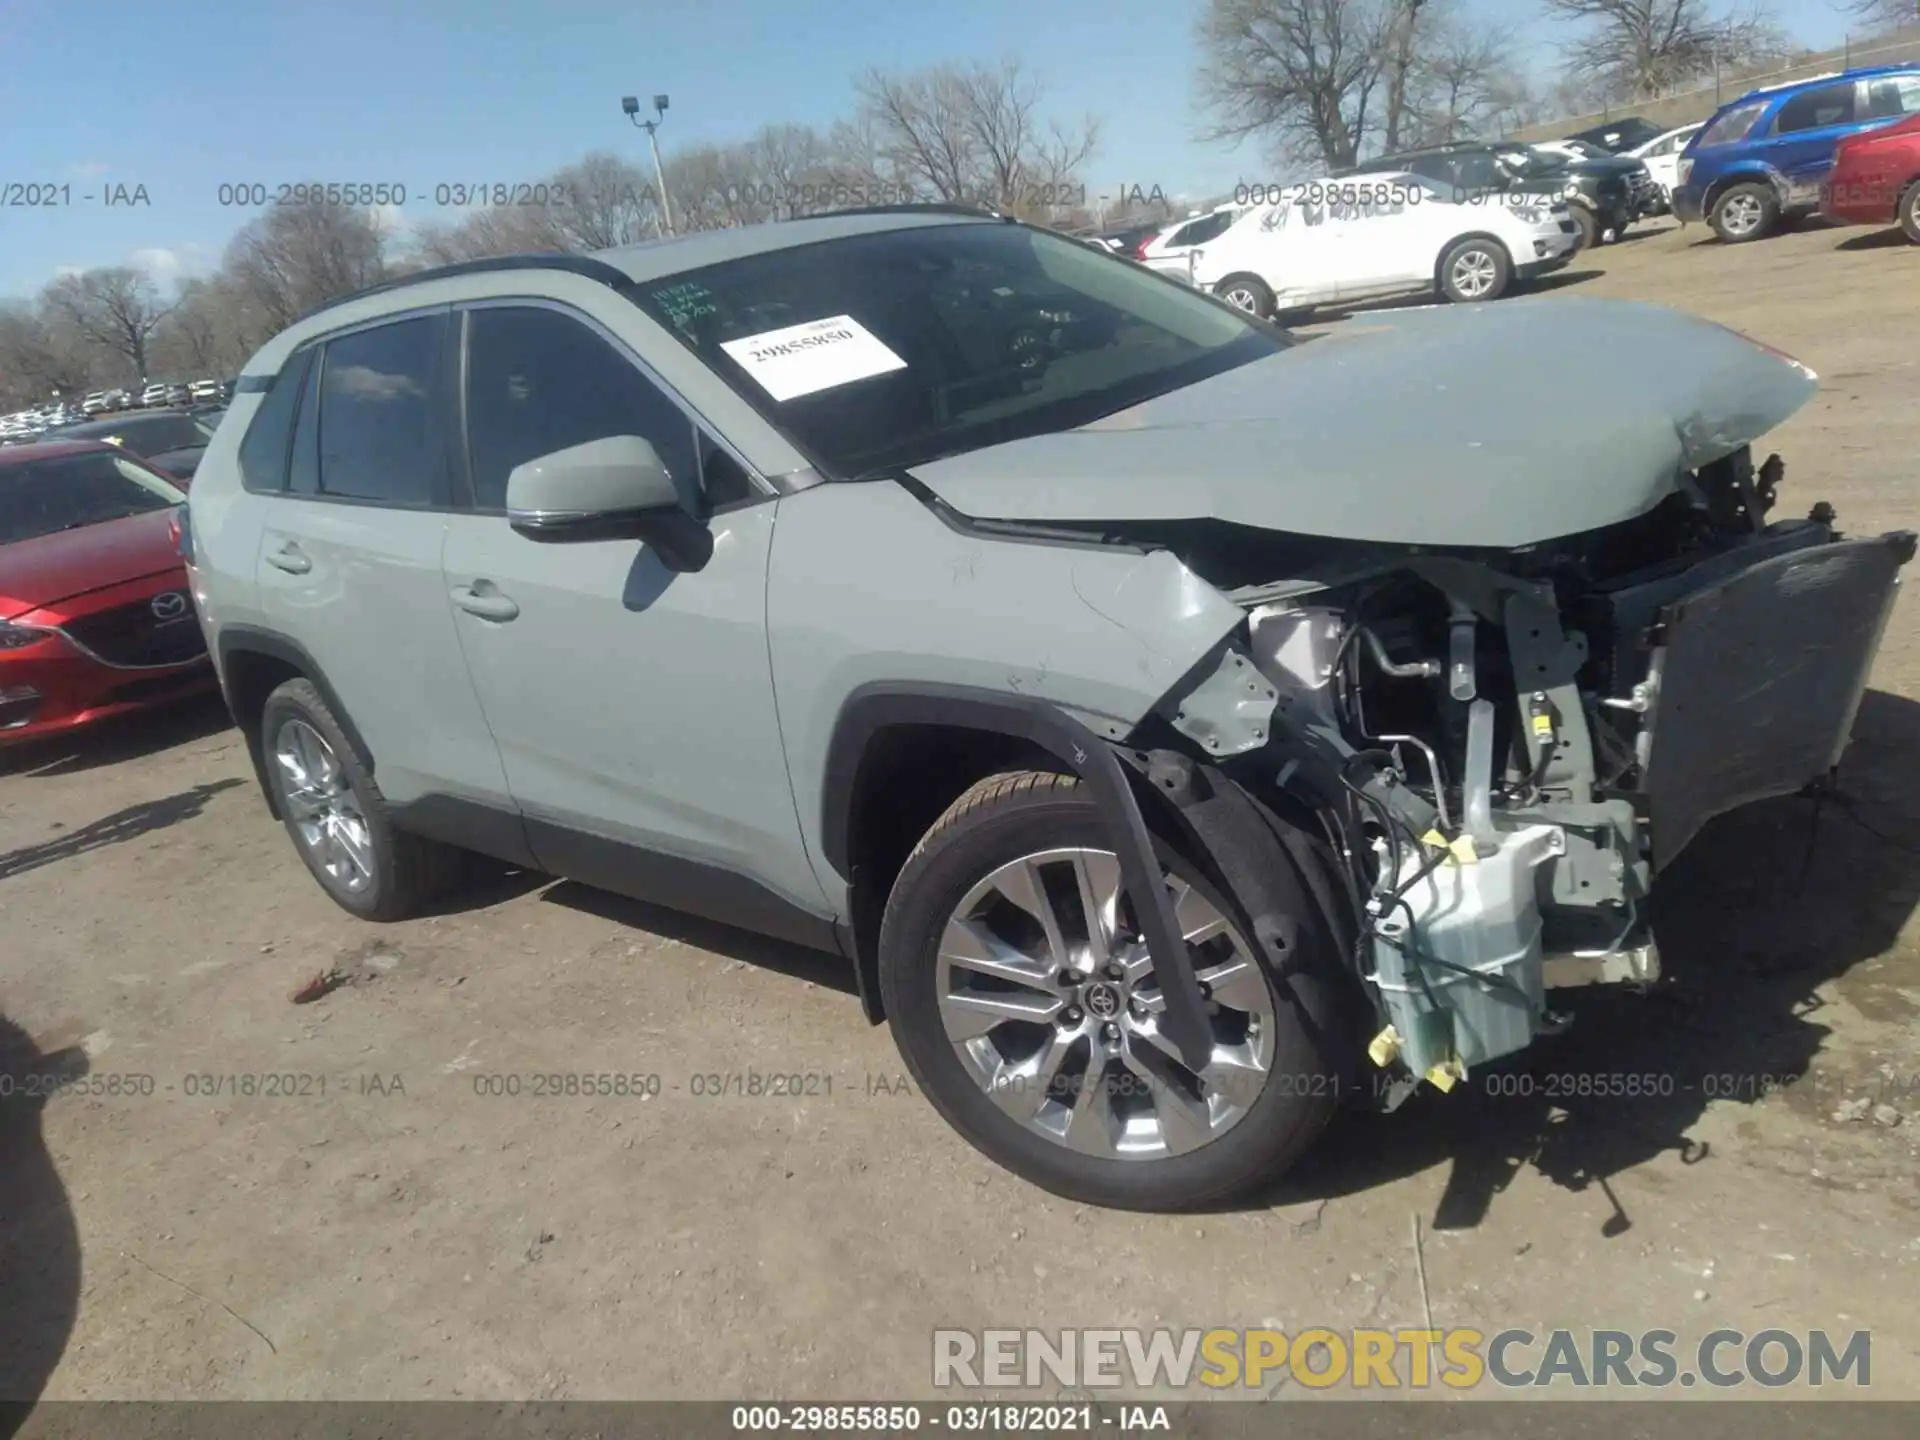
[[1762, 158]]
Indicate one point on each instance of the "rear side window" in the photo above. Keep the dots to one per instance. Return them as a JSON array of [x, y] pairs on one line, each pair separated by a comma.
[[379, 434], [539, 381], [1732, 125], [1893, 97], [263, 449], [1816, 109]]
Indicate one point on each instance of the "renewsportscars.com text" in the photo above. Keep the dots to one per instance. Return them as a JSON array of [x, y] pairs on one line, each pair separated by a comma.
[[1457, 1359]]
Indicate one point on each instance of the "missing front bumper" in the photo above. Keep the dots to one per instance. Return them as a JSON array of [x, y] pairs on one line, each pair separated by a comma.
[[1756, 679]]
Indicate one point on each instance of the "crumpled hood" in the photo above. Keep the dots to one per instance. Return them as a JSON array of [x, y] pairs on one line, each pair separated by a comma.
[[1471, 426]]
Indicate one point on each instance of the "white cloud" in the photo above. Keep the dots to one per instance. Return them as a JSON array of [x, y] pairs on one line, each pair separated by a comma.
[[391, 220], [62, 272], [159, 262]]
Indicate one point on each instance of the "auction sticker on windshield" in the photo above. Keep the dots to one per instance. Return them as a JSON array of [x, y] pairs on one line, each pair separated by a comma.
[[818, 355]]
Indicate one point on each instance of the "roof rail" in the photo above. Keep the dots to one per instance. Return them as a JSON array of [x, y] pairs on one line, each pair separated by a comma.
[[928, 207], [586, 265]]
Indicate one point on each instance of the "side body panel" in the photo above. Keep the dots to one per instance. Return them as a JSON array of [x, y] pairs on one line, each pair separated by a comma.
[[633, 703]]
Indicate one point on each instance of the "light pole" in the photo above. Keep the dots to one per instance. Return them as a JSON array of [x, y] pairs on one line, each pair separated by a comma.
[[630, 104]]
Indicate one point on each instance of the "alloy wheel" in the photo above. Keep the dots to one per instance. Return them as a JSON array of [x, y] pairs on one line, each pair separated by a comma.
[[319, 799], [1473, 274], [1048, 995], [1242, 298], [1740, 214]]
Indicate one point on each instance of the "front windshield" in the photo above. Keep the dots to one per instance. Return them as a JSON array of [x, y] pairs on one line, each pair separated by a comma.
[[889, 349], [66, 492]]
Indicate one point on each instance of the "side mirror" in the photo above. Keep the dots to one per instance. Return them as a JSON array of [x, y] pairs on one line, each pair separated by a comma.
[[617, 488]]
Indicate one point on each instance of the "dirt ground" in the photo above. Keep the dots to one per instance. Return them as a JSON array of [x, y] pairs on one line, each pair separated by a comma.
[[392, 1231]]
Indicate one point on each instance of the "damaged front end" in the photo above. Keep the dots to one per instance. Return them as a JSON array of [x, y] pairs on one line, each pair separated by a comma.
[[1505, 747]]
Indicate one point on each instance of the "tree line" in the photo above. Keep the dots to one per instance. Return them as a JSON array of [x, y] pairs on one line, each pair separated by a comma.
[[1317, 83]]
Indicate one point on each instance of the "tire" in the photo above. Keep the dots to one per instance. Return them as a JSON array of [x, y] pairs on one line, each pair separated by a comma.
[[1909, 212], [1589, 224], [1255, 292], [337, 818], [1249, 1132], [1745, 212], [1474, 270]]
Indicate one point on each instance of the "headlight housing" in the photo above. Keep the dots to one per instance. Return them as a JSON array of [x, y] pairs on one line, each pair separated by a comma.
[[1529, 214], [18, 637]]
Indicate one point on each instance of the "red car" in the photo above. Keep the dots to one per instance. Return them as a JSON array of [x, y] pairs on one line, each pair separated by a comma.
[[1875, 179], [95, 614]]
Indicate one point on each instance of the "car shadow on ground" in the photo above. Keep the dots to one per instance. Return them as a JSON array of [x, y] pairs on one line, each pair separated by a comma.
[[122, 738], [1545, 285], [127, 824], [1760, 910], [830, 972], [39, 1236], [1893, 238]]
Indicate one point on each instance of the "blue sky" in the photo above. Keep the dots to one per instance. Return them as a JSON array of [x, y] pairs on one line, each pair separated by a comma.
[[181, 98]]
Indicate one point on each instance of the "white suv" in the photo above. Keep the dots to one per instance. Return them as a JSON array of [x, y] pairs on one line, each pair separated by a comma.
[[1169, 252], [1347, 240]]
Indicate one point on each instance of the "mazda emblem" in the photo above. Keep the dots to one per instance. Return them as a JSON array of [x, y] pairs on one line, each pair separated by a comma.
[[170, 606]]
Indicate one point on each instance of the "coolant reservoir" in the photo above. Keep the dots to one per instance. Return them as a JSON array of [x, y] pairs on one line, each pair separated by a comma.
[[1482, 921]]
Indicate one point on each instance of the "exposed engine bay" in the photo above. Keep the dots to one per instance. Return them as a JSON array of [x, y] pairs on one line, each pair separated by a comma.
[[1504, 748]]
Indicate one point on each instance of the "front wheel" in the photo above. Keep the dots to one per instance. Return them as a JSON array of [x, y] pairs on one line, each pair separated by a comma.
[[1589, 225], [1475, 269], [1025, 1003], [1248, 293], [1745, 212], [1910, 212]]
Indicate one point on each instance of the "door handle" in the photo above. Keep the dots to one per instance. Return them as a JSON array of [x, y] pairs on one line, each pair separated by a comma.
[[480, 598], [290, 558]]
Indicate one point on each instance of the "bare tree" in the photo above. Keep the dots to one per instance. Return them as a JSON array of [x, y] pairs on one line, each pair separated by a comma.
[[1327, 82], [40, 353], [1301, 74], [1884, 16], [116, 308], [1637, 49], [1467, 83], [968, 133], [295, 257]]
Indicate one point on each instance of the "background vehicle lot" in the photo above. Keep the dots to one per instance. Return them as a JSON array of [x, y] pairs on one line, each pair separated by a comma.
[[447, 1240]]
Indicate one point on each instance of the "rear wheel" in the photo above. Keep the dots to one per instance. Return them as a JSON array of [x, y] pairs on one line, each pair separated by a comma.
[[1744, 212], [1910, 212], [1248, 293], [1025, 1002], [1475, 269]]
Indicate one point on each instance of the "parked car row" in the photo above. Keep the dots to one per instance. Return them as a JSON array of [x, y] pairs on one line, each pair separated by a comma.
[[1767, 159], [1469, 219], [41, 421]]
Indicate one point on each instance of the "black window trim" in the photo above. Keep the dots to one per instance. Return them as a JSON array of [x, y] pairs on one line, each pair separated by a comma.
[[301, 357], [703, 428], [440, 499], [315, 346]]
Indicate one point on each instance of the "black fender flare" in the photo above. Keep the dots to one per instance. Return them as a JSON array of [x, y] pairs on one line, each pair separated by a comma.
[[251, 640], [879, 706]]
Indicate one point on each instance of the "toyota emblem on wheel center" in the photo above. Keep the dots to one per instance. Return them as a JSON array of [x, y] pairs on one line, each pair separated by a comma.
[[170, 606]]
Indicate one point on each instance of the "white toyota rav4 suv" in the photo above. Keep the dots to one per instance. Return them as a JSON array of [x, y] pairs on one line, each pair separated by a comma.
[[1324, 241]]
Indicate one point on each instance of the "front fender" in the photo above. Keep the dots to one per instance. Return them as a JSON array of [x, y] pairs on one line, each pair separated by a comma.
[[869, 587]]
